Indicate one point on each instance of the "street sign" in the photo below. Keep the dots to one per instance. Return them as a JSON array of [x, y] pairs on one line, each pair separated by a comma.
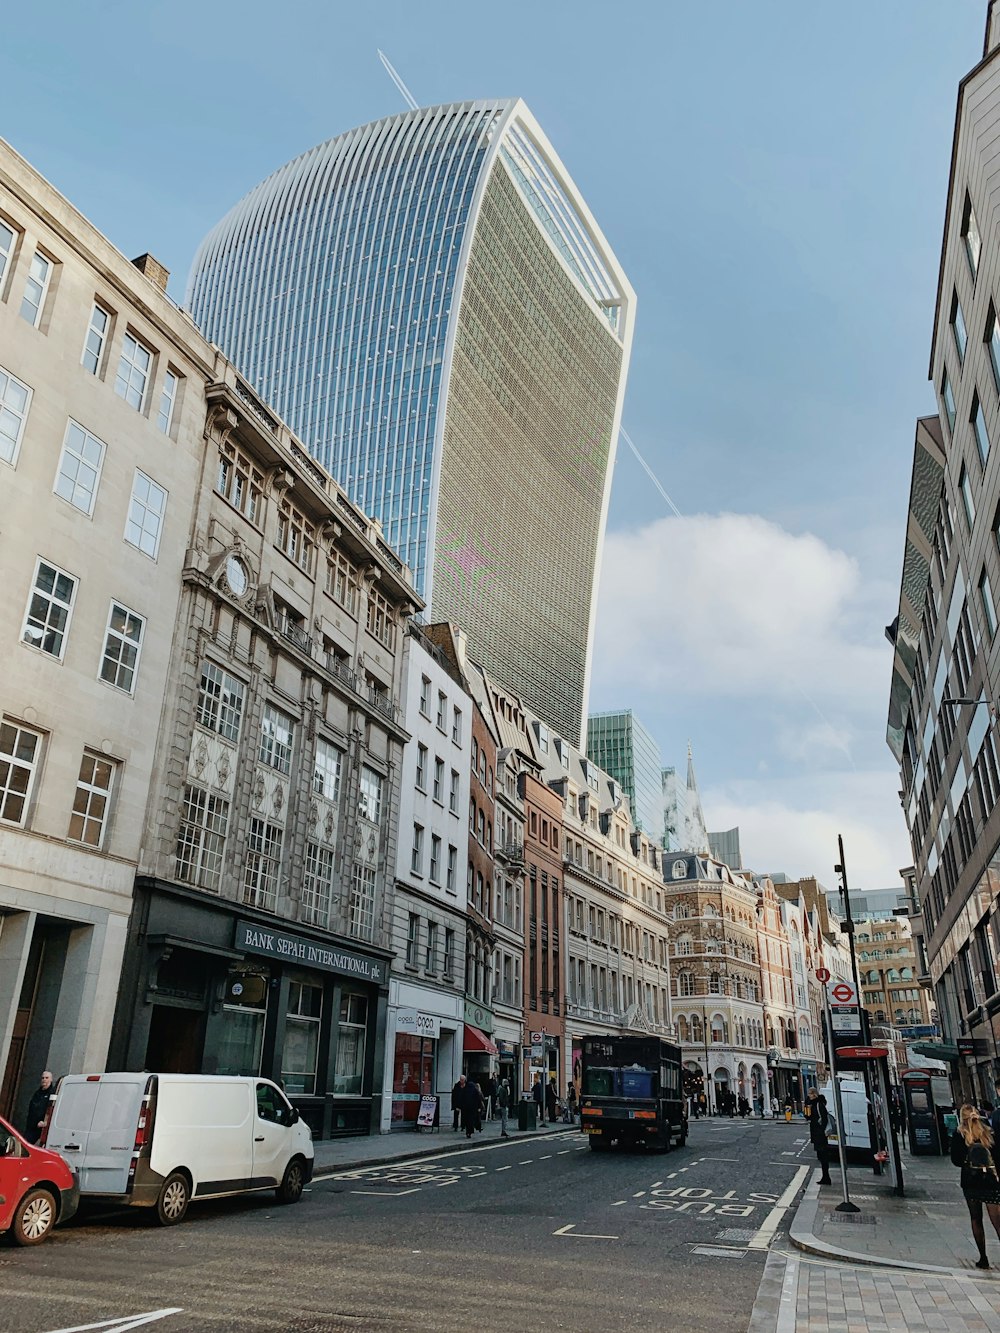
[[846, 1021], [823, 975], [843, 992], [861, 1052], [537, 1038]]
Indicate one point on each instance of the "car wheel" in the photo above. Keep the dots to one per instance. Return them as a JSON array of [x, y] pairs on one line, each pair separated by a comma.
[[290, 1189], [35, 1217], [173, 1199]]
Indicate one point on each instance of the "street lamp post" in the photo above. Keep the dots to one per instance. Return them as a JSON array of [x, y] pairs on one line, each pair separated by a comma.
[[866, 1035]]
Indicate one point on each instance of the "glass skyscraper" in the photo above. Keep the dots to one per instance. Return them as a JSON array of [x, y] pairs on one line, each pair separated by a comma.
[[429, 304], [621, 745]]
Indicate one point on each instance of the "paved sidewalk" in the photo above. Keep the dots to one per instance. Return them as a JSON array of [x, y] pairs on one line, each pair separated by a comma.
[[377, 1149]]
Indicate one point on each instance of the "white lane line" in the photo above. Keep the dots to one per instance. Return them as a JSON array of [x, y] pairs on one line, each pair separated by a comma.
[[394, 1194], [656, 1184], [618, 1203], [527, 1161], [684, 1168], [765, 1235], [719, 1159], [671, 1176], [503, 1168], [124, 1322], [789, 1154], [638, 1194], [571, 1231], [545, 1157], [565, 1152]]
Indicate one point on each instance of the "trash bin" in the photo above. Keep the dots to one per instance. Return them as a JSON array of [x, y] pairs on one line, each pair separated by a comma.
[[527, 1114]]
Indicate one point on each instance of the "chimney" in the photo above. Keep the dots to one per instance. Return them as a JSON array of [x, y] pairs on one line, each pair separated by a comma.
[[153, 270], [992, 28]]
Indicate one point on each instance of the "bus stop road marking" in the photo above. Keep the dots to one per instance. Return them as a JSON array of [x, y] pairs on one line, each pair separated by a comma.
[[571, 1231], [765, 1233], [393, 1194], [124, 1322]]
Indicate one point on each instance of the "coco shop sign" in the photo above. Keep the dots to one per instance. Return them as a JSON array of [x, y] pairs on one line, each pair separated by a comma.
[[297, 949]]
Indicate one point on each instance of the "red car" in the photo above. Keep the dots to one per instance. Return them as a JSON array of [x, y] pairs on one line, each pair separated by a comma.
[[37, 1188]]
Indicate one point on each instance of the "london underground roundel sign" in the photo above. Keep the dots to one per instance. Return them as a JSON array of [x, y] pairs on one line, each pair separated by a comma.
[[842, 993]]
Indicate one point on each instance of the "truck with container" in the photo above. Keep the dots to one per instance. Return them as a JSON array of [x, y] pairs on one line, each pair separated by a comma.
[[630, 1093]]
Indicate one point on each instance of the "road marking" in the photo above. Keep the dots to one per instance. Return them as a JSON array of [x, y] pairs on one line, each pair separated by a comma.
[[638, 1194], [393, 1194], [527, 1161], [656, 1184], [789, 1154], [671, 1176], [618, 1203], [765, 1234], [571, 1231], [683, 1168], [545, 1157], [718, 1251], [564, 1153], [124, 1322], [716, 1159], [504, 1168]]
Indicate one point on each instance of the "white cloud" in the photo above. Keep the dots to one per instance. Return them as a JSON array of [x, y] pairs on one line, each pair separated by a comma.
[[732, 604]]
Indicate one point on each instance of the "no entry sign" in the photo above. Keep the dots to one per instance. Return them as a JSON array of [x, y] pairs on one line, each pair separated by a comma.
[[843, 992]]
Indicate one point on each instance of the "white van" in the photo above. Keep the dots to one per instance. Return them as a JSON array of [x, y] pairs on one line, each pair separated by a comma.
[[161, 1140], [855, 1103]]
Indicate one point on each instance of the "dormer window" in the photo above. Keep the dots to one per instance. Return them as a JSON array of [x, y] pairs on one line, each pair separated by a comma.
[[679, 870]]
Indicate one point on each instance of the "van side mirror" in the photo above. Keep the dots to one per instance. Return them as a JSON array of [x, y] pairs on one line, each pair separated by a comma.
[[295, 1118]]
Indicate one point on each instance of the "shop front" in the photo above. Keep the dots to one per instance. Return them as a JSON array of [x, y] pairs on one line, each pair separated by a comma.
[[213, 988], [423, 1052], [480, 1051]]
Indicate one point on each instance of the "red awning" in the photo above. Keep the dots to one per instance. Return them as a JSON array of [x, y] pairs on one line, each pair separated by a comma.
[[478, 1041]]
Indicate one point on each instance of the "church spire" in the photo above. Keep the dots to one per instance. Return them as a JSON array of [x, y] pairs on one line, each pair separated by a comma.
[[695, 832]]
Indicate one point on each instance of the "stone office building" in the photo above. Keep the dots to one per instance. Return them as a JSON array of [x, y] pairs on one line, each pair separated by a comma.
[[260, 937], [102, 409]]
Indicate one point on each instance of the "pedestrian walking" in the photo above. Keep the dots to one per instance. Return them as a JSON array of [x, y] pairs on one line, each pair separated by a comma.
[[774, 1108], [551, 1100], [37, 1108], [973, 1148], [471, 1103], [538, 1096], [571, 1103], [503, 1102], [491, 1097], [819, 1123], [457, 1098]]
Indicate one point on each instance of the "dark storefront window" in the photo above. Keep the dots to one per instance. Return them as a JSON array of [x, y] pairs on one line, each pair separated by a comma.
[[413, 1075], [349, 1076], [301, 1047], [243, 1030]]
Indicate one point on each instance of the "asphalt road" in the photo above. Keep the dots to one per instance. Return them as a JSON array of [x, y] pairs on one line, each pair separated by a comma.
[[538, 1233]]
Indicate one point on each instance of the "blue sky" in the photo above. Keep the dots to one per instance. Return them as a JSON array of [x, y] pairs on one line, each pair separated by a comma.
[[772, 175]]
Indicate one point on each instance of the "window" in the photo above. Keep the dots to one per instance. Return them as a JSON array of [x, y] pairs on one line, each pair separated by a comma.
[[968, 503], [317, 885], [948, 398], [79, 468], [35, 289], [50, 606], [430, 958], [134, 368], [412, 939], [15, 399], [241, 483], [978, 419], [19, 752], [453, 793], [326, 770], [122, 645], [417, 850], [348, 1079], [300, 1050], [425, 696], [438, 792], [449, 952], [370, 796], [989, 609], [361, 908], [90, 806], [452, 864], [958, 330], [145, 515], [97, 333], [201, 839], [970, 237], [296, 536], [168, 401], [435, 871], [263, 861], [276, 734], [7, 239], [992, 339], [342, 582], [442, 711], [456, 726], [421, 768], [381, 619], [220, 701]]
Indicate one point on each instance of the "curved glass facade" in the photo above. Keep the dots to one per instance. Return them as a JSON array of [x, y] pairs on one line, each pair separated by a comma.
[[430, 307]]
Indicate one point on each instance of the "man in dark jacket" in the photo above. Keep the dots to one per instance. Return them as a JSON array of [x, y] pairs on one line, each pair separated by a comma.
[[457, 1097], [472, 1106], [37, 1107], [819, 1120]]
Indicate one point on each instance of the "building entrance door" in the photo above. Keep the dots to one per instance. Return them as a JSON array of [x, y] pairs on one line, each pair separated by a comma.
[[22, 1026], [176, 1040]]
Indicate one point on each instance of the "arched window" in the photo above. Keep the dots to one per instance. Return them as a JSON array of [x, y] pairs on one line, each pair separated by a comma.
[[695, 1028], [805, 1038], [906, 973], [684, 945], [719, 1029], [713, 944], [683, 1031]]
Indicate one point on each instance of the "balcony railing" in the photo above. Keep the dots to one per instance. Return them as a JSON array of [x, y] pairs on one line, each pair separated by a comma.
[[511, 851], [294, 633], [383, 703], [339, 668]]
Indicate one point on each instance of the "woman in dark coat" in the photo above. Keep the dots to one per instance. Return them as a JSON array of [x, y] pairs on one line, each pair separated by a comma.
[[980, 1186], [819, 1122], [551, 1099]]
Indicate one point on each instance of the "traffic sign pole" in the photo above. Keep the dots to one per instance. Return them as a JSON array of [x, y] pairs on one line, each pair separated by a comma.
[[845, 1206]]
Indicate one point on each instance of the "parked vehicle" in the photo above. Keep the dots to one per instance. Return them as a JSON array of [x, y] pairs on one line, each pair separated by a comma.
[[37, 1188], [161, 1140], [631, 1092]]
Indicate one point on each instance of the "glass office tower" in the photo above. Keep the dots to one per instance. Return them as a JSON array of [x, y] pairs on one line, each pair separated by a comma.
[[429, 304], [621, 745]]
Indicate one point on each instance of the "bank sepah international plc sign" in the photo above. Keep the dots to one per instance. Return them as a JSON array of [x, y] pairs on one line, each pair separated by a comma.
[[309, 953]]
